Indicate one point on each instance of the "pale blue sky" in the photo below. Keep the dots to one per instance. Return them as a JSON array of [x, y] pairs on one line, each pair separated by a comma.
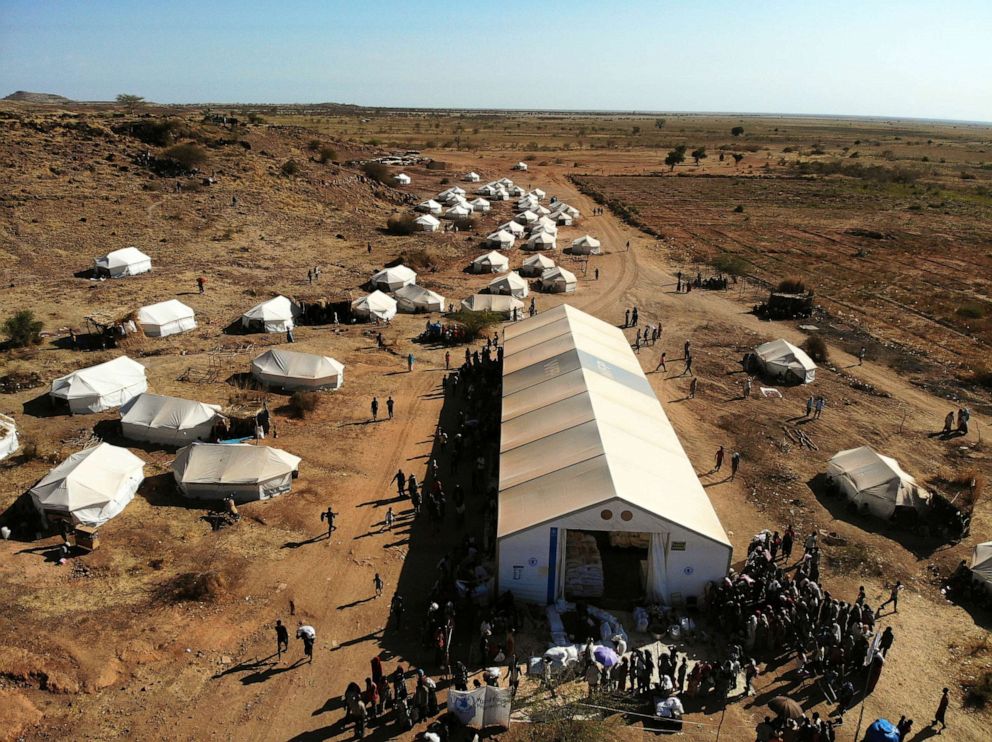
[[928, 59]]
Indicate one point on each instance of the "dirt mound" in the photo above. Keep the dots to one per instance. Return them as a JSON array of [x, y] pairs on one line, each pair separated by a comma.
[[26, 96], [48, 673], [198, 587], [16, 714]]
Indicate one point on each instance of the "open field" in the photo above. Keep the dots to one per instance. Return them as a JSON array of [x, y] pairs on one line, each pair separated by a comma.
[[121, 649]]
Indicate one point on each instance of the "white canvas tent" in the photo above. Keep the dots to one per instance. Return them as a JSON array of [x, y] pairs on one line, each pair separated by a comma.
[[585, 446], [287, 369], [491, 262], [544, 225], [168, 420], [558, 280], [128, 261], [427, 223], [454, 190], [563, 219], [472, 177], [91, 486], [275, 315], [511, 284], [401, 179], [515, 190], [492, 303], [514, 228], [586, 245], [525, 217], [981, 564], [501, 239], [538, 194], [390, 279], [459, 211], [520, 166], [8, 437], [536, 265], [430, 206], [480, 205], [166, 318], [541, 241], [875, 482], [376, 305], [413, 299], [214, 471], [782, 359], [101, 387]]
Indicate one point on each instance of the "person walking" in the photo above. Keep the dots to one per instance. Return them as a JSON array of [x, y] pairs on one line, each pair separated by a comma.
[[289, 335], [719, 459], [809, 405], [861, 356], [633, 316], [788, 538], [687, 349], [735, 464], [692, 385], [661, 363], [885, 643], [626, 318], [201, 282], [328, 515], [893, 598], [389, 519], [596, 273], [447, 360], [938, 718], [389, 407], [375, 409], [377, 584], [400, 479], [397, 607], [688, 366], [820, 404], [282, 639], [309, 636], [747, 388], [948, 423], [409, 362]]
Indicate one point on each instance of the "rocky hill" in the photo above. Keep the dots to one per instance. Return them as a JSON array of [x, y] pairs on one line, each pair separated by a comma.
[[26, 96]]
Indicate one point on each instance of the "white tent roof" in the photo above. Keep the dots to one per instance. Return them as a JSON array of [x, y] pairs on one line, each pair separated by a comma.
[[120, 258], [167, 413], [869, 478], [526, 217], [586, 241], [542, 241], [520, 166], [164, 312], [511, 284], [472, 176], [558, 273], [376, 304], [401, 178], [981, 562], [538, 193], [781, 356], [514, 228], [479, 203], [277, 309], [491, 303], [501, 237], [429, 205], [491, 259], [288, 364], [539, 261], [428, 220], [456, 190], [459, 210], [92, 485], [101, 387], [394, 278], [226, 463], [581, 426], [413, 297]]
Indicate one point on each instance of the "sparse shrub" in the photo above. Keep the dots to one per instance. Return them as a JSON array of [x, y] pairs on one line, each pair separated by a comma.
[[737, 131], [314, 145], [290, 168], [739, 209], [22, 329], [377, 171], [732, 264], [792, 285], [401, 225], [476, 324], [978, 692], [157, 132], [304, 403], [326, 153], [816, 348], [971, 310], [255, 118], [187, 156], [200, 587], [445, 181]]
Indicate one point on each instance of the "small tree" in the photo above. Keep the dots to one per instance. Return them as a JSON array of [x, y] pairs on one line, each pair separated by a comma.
[[635, 130], [699, 154], [675, 157], [659, 123], [290, 168], [816, 348], [129, 101], [23, 329], [187, 156], [737, 131], [401, 225], [377, 171], [326, 154], [737, 158]]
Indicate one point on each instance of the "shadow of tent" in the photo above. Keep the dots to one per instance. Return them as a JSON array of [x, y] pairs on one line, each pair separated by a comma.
[[160, 490], [86, 273], [44, 406], [22, 518], [235, 328]]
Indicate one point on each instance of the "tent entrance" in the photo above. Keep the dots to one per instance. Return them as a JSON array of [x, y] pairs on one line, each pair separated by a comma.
[[608, 568]]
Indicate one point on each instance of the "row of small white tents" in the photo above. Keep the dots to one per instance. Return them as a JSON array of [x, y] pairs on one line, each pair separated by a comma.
[[553, 278]]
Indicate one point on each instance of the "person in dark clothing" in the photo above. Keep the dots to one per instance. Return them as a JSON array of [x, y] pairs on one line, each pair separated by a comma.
[[375, 408], [389, 407], [328, 515], [282, 638], [893, 598], [397, 606], [885, 644], [400, 480], [787, 540], [938, 718]]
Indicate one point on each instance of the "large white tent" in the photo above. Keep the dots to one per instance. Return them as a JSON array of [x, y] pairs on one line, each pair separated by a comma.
[[526, 217], [559, 281], [542, 241], [535, 265], [493, 303], [287, 369], [8, 437], [275, 315], [501, 239], [376, 305], [586, 245], [781, 359], [514, 228], [585, 446], [128, 261], [453, 191], [390, 279], [214, 471], [430, 206], [168, 420], [101, 387], [458, 211], [166, 318], [472, 177], [875, 482], [491, 262], [413, 299], [480, 205], [520, 166], [511, 284], [981, 564], [562, 218], [428, 222], [401, 179], [91, 486]]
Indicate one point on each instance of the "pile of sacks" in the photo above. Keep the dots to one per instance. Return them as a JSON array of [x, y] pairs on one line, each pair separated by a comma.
[[583, 566], [630, 540]]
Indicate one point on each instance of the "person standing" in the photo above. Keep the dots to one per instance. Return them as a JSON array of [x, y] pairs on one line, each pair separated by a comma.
[[375, 409], [400, 479], [735, 464], [377, 584], [626, 318], [719, 459], [787, 540], [596, 273], [447, 360], [747, 387], [820, 404], [397, 607], [938, 718], [809, 405], [949, 423], [201, 283], [328, 515], [389, 519], [693, 385], [861, 356], [289, 335], [309, 636], [409, 362], [282, 639], [389, 407], [885, 643]]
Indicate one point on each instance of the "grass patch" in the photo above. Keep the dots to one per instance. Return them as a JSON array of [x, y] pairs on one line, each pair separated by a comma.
[[971, 310], [401, 225], [853, 558], [732, 264], [304, 404], [476, 324]]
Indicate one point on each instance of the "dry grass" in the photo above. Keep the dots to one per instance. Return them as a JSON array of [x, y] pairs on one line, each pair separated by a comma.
[[198, 587], [304, 404]]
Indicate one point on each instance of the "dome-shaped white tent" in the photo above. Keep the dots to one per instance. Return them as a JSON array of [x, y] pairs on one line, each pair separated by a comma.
[[287, 369], [558, 280], [511, 284], [535, 265], [492, 303], [213, 471], [128, 261], [491, 262], [413, 299], [501, 239], [520, 166], [8, 437], [390, 279], [782, 359], [91, 486], [166, 318], [586, 245], [376, 305], [430, 206], [427, 223], [275, 315], [101, 387], [168, 420], [875, 482]]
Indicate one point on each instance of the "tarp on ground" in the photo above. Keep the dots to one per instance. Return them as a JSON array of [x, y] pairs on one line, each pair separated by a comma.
[[877, 482], [289, 369], [481, 707], [101, 387]]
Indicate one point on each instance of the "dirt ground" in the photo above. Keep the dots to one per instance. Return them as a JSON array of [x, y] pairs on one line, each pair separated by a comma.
[[109, 651]]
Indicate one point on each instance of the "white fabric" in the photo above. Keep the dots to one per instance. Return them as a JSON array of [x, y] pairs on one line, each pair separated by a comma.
[[535, 265], [657, 567], [869, 479], [168, 420], [501, 239], [390, 279], [520, 166], [492, 303], [458, 212], [241, 470], [514, 228], [586, 245], [538, 194], [472, 177], [414, 298], [782, 357], [166, 318], [427, 222], [981, 563], [101, 387], [483, 707], [542, 241], [558, 280], [526, 217], [491, 262], [402, 179], [429, 206], [91, 486], [128, 261], [544, 224], [8, 437], [275, 315], [454, 190], [376, 304], [511, 284], [291, 370]]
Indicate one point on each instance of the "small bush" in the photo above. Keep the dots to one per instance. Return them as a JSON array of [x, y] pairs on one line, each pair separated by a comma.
[[401, 225], [816, 348], [978, 693], [971, 310], [188, 155], [254, 118], [791, 285], [314, 145], [445, 181], [476, 324], [304, 403], [739, 209], [422, 260], [732, 264], [437, 165], [378, 172], [326, 154], [200, 587], [290, 168], [853, 559], [22, 329]]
